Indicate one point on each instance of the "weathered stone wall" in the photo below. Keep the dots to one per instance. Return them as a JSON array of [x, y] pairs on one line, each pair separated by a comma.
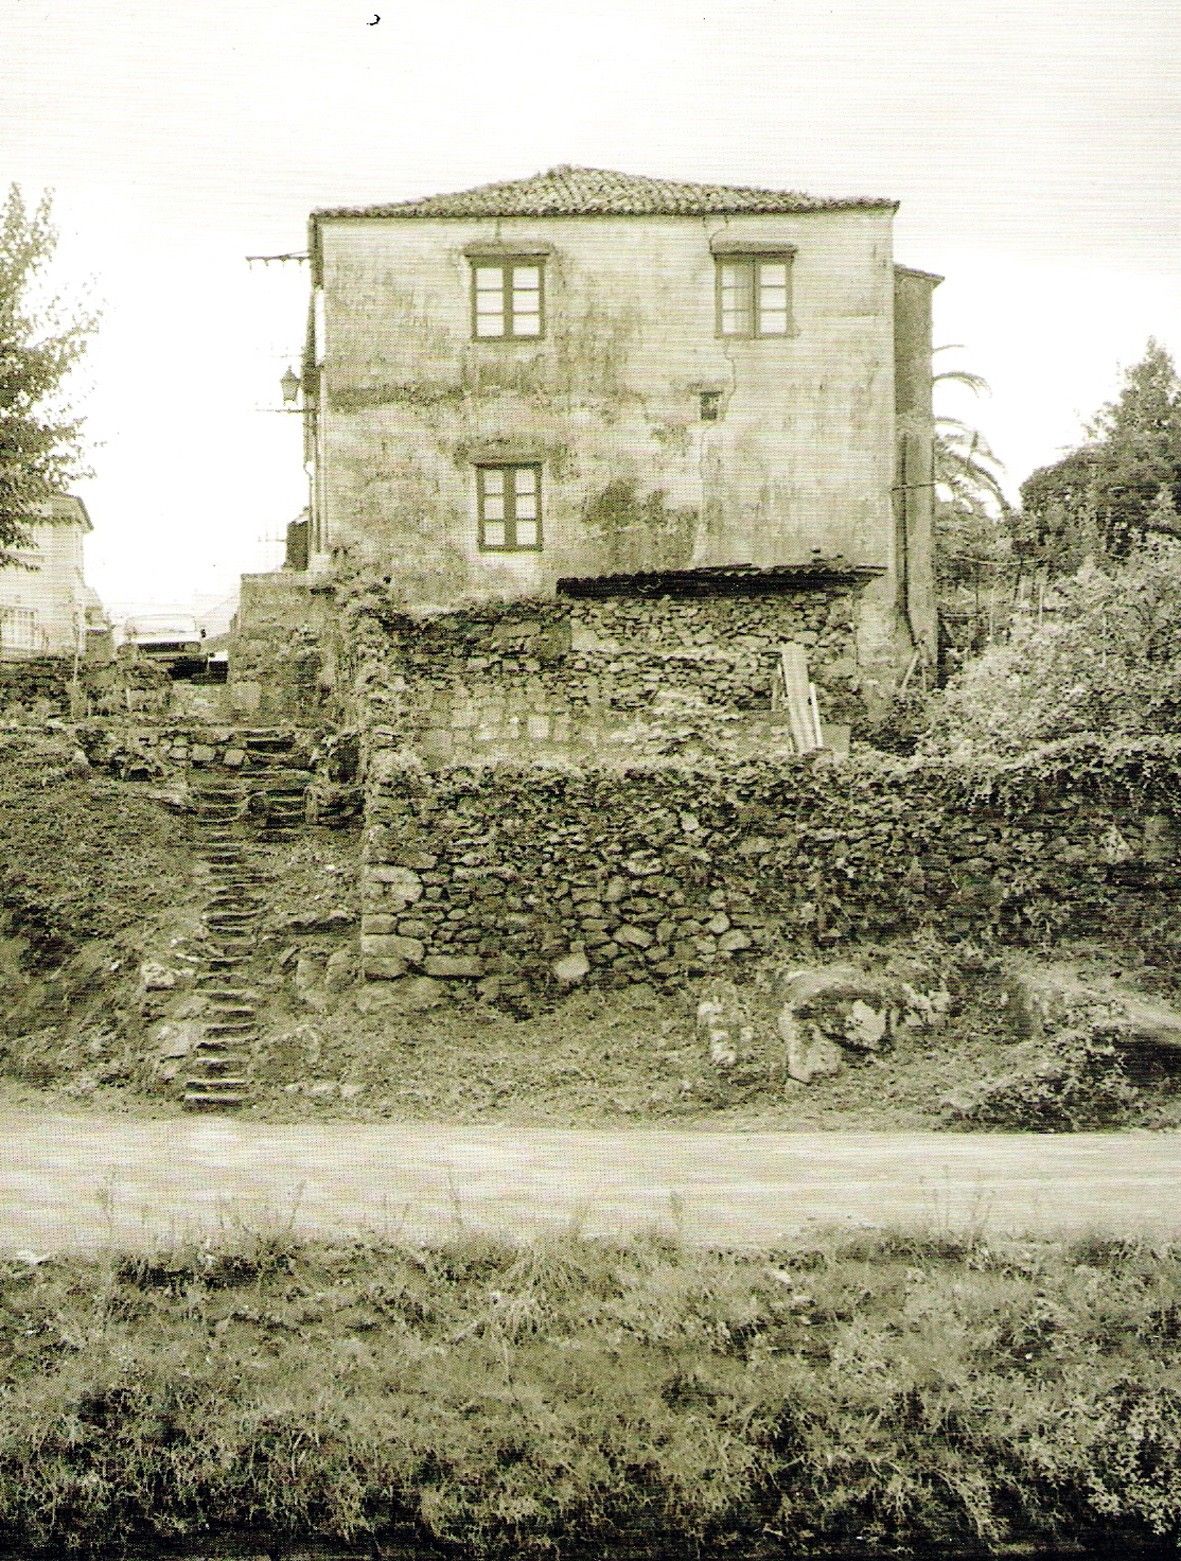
[[616, 676], [44, 686], [177, 747], [277, 657], [532, 878]]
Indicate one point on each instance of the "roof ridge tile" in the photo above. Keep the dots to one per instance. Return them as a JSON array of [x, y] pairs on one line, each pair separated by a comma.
[[567, 190]]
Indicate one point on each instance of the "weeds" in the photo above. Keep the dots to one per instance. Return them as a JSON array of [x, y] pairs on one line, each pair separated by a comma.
[[874, 1392]]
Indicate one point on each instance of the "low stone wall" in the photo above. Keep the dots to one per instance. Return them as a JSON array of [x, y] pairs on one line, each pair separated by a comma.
[[44, 686], [619, 675], [534, 878], [166, 747]]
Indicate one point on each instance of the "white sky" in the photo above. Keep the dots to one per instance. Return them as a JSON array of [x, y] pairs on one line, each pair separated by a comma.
[[1035, 146]]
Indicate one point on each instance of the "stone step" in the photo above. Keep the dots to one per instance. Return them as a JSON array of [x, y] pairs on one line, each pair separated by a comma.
[[215, 1066], [197, 1099], [267, 742], [226, 1081], [230, 1029]]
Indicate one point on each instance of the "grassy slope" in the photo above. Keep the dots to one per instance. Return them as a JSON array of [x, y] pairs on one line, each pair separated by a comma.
[[94, 875], [854, 1393], [85, 856]]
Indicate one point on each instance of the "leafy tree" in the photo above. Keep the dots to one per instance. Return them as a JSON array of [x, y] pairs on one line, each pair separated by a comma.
[[1099, 654], [1122, 484], [41, 451]]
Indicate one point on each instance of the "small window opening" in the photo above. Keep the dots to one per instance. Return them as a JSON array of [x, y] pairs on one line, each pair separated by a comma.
[[711, 406]]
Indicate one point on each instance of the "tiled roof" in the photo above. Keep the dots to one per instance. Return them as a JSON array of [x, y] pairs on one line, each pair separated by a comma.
[[723, 579], [589, 192]]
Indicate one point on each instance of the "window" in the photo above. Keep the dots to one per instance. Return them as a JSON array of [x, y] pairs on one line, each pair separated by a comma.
[[18, 629], [754, 295], [507, 297], [509, 504], [711, 406]]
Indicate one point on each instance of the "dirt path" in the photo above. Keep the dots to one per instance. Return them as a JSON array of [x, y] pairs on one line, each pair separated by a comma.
[[79, 1182]]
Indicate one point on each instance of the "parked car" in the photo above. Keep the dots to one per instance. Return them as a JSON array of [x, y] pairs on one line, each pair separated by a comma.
[[171, 640]]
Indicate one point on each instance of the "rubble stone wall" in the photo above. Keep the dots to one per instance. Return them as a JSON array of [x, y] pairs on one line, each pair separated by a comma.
[[533, 878], [277, 662], [585, 678], [171, 747], [44, 686]]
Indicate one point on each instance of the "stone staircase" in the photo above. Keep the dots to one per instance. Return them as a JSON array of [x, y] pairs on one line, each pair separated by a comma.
[[259, 798], [276, 784], [217, 1074]]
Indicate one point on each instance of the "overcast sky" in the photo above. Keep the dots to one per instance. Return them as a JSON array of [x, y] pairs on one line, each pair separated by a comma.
[[1035, 147]]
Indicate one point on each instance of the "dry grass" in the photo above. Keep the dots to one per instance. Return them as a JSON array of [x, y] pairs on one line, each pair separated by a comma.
[[870, 1393]]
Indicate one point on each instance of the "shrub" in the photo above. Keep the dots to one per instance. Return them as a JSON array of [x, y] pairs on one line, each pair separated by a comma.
[[1074, 1082], [1103, 656]]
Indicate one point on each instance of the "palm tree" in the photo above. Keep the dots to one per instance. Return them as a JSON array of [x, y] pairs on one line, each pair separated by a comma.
[[971, 519]]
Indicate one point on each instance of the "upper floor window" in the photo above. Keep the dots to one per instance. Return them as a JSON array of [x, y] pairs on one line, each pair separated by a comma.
[[754, 294], [508, 501], [508, 297]]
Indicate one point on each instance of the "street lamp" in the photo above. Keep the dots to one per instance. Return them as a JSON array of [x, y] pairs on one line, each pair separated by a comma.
[[290, 386]]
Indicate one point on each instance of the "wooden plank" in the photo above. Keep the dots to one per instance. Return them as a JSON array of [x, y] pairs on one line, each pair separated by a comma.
[[794, 662], [815, 714]]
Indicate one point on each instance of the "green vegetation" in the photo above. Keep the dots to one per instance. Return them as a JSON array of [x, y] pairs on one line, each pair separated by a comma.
[[858, 1393], [40, 342], [1122, 485], [1100, 654], [1119, 490], [94, 874]]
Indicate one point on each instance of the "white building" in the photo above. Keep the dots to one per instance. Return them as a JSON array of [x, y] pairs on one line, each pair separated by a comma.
[[46, 607]]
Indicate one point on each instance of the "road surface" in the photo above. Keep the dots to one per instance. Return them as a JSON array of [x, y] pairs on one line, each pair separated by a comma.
[[82, 1182]]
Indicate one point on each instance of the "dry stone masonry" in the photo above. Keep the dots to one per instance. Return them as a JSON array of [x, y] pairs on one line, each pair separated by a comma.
[[586, 678], [532, 879]]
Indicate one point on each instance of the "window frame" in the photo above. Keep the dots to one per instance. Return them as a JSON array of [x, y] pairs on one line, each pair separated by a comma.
[[510, 494], [752, 262], [506, 265], [12, 614]]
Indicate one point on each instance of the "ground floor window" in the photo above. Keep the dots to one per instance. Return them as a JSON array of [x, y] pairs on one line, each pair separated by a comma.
[[18, 629], [508, 502]]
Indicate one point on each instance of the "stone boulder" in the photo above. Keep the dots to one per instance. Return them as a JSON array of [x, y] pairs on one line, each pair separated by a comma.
[[829, 1014], [1044, 1000]]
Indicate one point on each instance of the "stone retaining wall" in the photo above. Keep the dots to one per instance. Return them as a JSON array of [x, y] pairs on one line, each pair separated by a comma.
[[180, 747], [534, 878], [278, 670], [619, 675]]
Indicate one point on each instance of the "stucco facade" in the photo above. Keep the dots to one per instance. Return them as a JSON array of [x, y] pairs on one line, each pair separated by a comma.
[[44, 600], [659, 442]]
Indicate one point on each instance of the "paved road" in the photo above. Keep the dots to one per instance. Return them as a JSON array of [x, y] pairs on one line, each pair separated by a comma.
[[81, 1182]]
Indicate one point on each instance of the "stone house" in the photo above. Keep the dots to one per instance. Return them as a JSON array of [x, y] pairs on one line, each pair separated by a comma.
[[46, 607], [670, 416]]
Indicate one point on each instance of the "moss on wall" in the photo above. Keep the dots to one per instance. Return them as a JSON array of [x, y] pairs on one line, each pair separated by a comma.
[[663, 872]]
